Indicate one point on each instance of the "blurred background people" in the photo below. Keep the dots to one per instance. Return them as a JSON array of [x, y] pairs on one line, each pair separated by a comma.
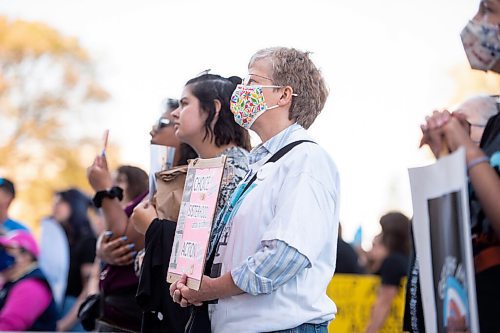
[[388, 258], [70, 211], [7, 195], [347, 258], [117, 195], [26, 302]]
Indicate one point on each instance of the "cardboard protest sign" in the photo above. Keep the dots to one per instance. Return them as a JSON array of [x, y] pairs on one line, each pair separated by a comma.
[[443, 244], [199, 200]]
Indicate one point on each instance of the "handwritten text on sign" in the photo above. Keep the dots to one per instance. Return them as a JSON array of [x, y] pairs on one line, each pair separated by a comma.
[[192, 234]]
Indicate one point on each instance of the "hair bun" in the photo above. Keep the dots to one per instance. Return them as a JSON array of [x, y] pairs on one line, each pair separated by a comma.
[[235, 80]]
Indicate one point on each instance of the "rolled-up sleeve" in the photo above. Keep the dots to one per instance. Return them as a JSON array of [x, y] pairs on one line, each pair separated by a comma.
[[271, 266]]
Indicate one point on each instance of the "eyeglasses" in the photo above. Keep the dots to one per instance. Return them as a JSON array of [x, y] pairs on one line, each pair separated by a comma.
[[246, 82]]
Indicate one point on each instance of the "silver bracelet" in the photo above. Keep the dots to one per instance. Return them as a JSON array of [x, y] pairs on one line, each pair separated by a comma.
[[477, 161]]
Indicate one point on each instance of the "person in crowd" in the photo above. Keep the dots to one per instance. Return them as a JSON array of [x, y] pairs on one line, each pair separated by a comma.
[[277, 252], [476, 111], [70, 210], [163, 133], [347, 258], [26, 302], [118, 245], [117, 251], [7, 195], [481, 41], [388, 258], [204, 122]]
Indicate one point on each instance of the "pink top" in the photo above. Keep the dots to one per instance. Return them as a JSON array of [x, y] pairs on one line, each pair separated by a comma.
[[26, 301]]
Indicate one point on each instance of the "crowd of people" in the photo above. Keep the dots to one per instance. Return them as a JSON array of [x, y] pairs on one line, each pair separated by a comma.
[[275, 241]]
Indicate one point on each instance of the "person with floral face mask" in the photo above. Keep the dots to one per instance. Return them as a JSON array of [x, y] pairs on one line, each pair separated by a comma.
[[277, 252], [444, 130], [481, 37], [248, 104]]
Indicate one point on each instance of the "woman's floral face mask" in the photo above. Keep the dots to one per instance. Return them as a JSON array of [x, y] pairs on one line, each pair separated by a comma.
[[248, 104]]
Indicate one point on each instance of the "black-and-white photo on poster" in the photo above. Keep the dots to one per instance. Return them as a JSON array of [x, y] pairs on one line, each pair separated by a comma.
[[443, 245]]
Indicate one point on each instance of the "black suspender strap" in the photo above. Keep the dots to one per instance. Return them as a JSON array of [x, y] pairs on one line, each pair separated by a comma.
[[279, 154]]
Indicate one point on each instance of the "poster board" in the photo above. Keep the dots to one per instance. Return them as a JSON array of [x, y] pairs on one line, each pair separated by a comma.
[[441, 227], [192, 234], [354, 296]]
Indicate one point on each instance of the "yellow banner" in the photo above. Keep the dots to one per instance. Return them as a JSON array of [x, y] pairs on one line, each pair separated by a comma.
[[354, 296]]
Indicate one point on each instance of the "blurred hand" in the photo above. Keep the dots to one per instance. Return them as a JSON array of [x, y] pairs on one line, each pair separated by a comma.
[[457, 133], [432, 132], [98, 174], [444, 131], [115, 252], [144, 213]]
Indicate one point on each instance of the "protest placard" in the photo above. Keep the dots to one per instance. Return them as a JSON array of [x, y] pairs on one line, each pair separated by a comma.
[[441, 227], [199, 200]]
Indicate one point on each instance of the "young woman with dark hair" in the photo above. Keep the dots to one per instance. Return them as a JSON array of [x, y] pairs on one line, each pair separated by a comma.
[[70, 210], [204, 122]]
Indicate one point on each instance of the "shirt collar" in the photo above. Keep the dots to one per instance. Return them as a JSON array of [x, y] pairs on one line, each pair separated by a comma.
[[272, 145]]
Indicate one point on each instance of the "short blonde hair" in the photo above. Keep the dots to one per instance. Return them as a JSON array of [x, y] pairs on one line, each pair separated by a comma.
[[294, 68]]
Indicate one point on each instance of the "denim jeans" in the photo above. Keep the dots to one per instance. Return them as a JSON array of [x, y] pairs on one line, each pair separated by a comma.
[[307, 328]]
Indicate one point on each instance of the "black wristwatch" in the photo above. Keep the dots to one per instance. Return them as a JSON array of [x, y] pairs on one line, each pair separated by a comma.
[[114, 192]]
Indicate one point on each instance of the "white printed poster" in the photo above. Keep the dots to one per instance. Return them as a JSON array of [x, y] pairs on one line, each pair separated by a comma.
[[441, 227]]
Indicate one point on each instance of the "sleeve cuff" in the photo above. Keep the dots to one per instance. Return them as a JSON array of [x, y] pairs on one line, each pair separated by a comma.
[[250, 282]]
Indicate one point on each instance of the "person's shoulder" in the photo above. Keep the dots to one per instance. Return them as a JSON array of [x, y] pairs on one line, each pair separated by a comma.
[[11, 225], [396, 260], [310, 158], [236, 155], [309, 147], [30, 285]]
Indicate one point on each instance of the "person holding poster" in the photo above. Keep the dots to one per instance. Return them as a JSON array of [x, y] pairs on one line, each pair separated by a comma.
[[277, 252], [481, 40], [204, 121]]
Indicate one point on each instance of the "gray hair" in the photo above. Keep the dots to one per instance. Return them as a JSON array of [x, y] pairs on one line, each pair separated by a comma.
[[295, 68], [479, 108]]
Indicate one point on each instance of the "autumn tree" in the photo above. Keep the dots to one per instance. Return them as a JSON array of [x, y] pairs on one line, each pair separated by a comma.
[[46, 80]]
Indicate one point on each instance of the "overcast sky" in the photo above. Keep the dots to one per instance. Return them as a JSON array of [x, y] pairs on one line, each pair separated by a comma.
[[387, 64]]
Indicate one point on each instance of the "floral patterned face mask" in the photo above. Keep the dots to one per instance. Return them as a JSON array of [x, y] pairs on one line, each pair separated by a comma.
[[247, 104], [482, 44]]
